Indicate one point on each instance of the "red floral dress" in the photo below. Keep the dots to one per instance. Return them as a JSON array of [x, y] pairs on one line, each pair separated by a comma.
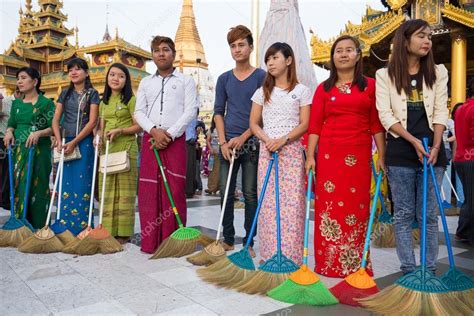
[[345, 123]]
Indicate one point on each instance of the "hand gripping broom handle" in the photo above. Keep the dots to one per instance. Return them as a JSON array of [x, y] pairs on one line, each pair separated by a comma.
[[94, 173], [382, 202], [28, 180], [104, 178], [424, 211], [167, 187], [306, 221], [12, 186], [226, 193], [277, 206], [260, 202], [61, 167], [371, 221], [441, 210], [56, 180]]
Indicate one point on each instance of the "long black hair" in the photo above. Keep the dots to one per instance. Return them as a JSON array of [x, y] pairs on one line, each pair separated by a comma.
[[33, 73], [126, 93], [359, 78], [81, 64]]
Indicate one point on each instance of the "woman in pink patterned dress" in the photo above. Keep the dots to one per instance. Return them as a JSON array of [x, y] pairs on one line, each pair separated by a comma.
[[279, 117]]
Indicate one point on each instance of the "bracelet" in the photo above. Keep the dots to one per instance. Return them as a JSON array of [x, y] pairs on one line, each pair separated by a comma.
[[435, 147], [225, 142]]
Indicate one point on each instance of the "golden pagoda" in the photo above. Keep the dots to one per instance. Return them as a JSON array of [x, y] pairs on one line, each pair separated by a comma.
[[453, 41], [42, 42], [191, 60]]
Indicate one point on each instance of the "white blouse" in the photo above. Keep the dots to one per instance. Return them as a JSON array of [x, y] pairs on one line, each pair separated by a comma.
[[282, 113]]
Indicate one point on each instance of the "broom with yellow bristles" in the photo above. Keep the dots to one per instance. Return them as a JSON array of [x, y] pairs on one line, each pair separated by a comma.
[[184, 240], [99, 240], [419, 292], [237, 268], [44, 240], [215, 251], [72, 245], [14, 231], [278, 268]]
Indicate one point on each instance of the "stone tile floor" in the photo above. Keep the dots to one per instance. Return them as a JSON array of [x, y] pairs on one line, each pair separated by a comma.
[[127, 283]]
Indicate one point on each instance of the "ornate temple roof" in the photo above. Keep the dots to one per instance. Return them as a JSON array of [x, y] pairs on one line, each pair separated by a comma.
[[377, 27], [187, 41]]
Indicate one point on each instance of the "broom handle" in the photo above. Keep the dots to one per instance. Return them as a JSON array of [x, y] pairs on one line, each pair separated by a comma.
[[260, 202], [371, 221], [56, 180], [167, 187], [61, 167], [277, 206], [306, 222], [226, 193], [28, 180], [104, 178], [441, 211], [424, 211], [451, 185], [12, 186], [94, 173], [381, 199]]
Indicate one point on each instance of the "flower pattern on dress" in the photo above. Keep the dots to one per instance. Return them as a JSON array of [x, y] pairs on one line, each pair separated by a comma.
[[329, 186], [350, 261], [330, 228], [351, 220], [350, 160]]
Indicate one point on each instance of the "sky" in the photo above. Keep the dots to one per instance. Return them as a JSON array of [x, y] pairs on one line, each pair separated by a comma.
[[138, 20]]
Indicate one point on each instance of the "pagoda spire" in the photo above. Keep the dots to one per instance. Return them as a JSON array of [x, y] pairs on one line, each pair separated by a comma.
[[187, 40], [107, 36]]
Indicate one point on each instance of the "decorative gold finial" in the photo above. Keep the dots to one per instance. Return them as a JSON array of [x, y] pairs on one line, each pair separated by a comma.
[[116, 33], [28, 6], [76, 31]]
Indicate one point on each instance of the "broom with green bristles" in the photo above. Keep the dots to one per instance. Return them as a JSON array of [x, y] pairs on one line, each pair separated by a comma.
[[278, 268], [45, 240], [419, 292], [461, 284], [215, 251], [304, 286], [184, 240], [14, 231], [359, 284], [238, 267]]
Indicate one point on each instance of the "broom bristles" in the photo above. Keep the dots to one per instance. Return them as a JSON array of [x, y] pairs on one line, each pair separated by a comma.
[[66, 237], [91, 246], [71, 246], [209, 255], [385, 235], [171, 247], [311, 294], [36, 245], [467, 297], [225, 273], [262, 282], [205, 240], [14, 238], [399, 300], [346, 293]]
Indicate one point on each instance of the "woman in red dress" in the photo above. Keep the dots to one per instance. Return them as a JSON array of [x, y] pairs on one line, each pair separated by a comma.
[[342, 123]]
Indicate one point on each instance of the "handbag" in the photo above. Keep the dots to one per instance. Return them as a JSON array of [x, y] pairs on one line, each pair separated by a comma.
[[117, 162], [76, 154]]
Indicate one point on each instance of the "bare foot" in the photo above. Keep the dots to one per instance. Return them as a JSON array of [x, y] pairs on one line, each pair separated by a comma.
[[252, 252], [123, 240], [227, 247]]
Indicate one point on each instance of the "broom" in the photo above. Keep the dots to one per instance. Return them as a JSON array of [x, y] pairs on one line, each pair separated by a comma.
[[184, 240], [383, 231], [277, 269], [419, 292], [99, 240], [461, 284], [359, 284], [304, 286], [238, 267], [215, 251], [59, 229], [44, 240], [13, 232], [72, 245]]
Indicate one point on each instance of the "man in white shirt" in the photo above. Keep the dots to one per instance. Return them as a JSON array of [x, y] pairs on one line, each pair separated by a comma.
[[166, 104]]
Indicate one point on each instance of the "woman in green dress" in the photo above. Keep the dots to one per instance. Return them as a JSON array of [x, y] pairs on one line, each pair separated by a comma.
[[118, 125], [30, 125]]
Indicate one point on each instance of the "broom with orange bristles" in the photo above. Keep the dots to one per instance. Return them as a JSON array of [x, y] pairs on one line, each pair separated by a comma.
[[72, 246], [359, 284], [99, 240]]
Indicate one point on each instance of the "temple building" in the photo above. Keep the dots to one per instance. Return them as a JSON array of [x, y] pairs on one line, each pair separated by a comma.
[[42, 42], [453, 37], [191, 60]]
